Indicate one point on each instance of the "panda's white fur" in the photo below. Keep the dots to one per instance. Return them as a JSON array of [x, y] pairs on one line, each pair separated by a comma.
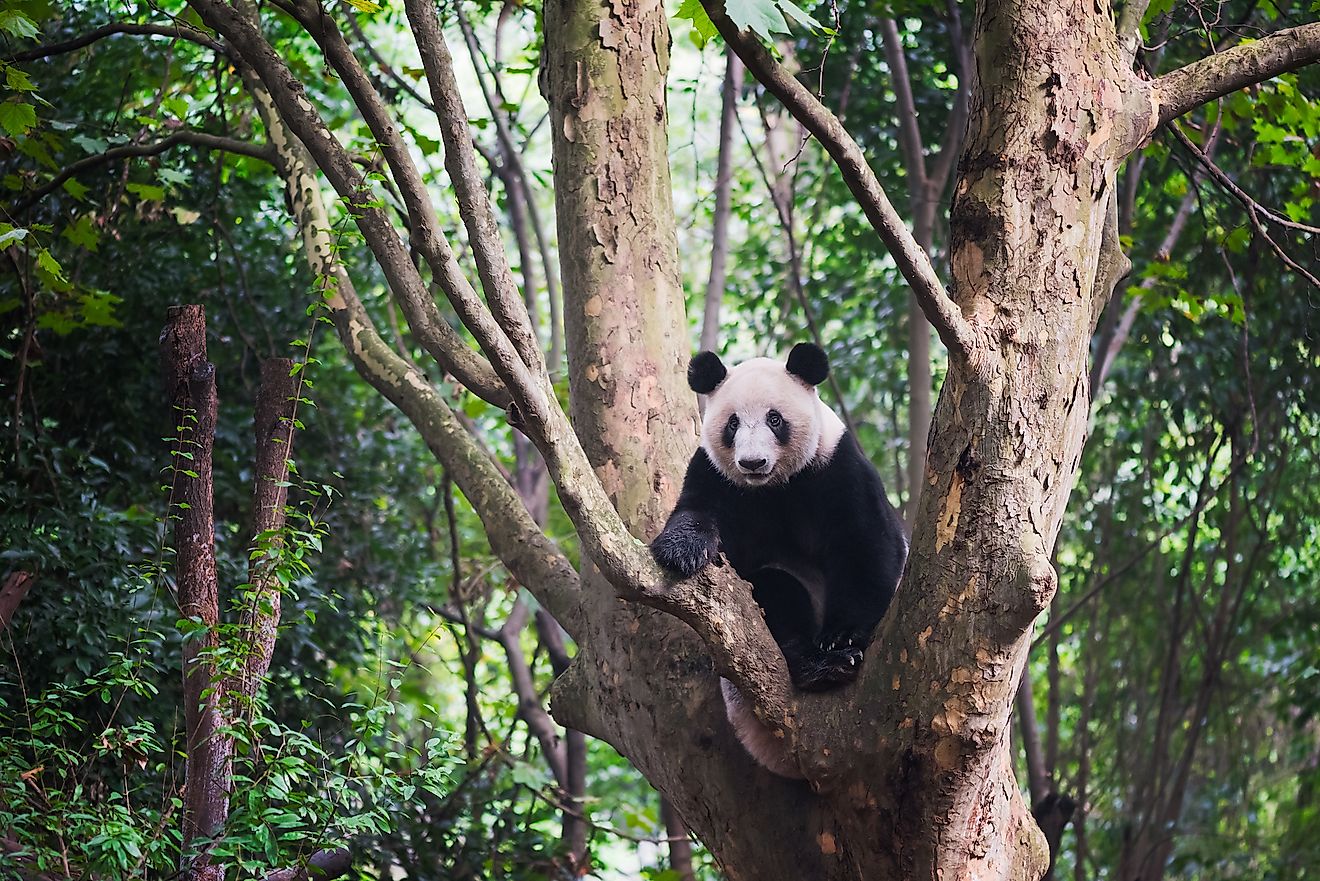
[[750, 390], [762, 744]]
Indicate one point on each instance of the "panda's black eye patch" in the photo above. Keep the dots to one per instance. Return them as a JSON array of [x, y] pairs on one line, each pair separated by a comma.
[[730, 430], [778, 426]]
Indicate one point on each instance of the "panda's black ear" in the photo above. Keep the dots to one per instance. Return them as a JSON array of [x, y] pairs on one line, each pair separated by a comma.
[[705, 372], [808, 363]]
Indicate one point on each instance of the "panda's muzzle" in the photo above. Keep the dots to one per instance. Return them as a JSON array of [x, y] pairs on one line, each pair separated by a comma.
[[752, 466]]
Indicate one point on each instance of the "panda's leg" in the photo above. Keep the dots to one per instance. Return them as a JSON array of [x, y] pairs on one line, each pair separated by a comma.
[[792, 620]]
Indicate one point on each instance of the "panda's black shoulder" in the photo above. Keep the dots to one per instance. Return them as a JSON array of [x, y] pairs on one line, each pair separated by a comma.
[[702, 478], [850, 480], [848, 462]]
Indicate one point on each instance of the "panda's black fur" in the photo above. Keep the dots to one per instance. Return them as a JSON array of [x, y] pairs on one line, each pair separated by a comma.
[[819, 541]]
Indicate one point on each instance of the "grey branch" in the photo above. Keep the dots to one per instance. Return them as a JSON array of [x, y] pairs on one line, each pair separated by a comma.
[[289, 95], [176, 31], [155, 148], [1244, 65]]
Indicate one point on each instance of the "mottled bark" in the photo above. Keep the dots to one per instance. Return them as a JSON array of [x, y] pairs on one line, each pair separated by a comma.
[[12, 591], [190, 384]]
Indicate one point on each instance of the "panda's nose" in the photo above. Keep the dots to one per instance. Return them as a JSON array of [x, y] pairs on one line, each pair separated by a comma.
[[751, 464]]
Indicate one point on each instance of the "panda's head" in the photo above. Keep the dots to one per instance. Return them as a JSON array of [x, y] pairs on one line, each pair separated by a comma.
[[764, 420]]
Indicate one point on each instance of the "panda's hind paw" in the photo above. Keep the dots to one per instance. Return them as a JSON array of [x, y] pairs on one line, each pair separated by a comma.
[[829, 670]]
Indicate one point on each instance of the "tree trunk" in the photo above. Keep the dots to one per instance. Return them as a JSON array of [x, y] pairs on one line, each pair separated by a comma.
[[190, 381]]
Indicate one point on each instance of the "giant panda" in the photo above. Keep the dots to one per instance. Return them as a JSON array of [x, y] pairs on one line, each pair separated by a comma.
[[782, 489]]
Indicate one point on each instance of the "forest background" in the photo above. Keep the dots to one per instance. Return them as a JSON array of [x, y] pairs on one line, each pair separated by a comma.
[[1167, 726]]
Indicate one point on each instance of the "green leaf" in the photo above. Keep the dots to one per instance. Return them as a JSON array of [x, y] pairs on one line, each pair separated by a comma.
[[147, 192], [16, 24], [17, 118], [18, 80], [703, 29], [82, 232], [177, 105], [75, 189], [47, 263], [762, 16]]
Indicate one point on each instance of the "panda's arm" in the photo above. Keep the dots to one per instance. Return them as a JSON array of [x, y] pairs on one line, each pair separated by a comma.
[[691, 537], [865, 556]]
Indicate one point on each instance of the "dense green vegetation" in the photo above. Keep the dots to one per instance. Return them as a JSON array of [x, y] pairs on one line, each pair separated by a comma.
[[1176, 679]]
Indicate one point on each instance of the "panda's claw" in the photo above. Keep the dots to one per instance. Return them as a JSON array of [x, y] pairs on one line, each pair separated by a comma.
[[828, 670]]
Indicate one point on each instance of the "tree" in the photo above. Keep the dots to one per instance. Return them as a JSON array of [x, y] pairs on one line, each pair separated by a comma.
[[909, 769]]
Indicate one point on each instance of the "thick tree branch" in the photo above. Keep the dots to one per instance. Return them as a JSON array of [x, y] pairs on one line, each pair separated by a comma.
[[155, 148], [473, 202], [948, 320], [1244, 65], [178, 31], [190, 382], [534, 559], [296, 112], [508, 360]]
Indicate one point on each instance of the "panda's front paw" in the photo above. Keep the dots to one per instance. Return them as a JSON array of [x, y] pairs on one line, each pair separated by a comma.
[[685, 551]]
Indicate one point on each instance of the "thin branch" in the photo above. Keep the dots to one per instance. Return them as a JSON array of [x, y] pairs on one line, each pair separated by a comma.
[[948, 320], [296, 112], [473, 202], [123, 151], [178, 31], [1254, 209], [719, 237], [1244, 65], [909, 134], [1237, 192]]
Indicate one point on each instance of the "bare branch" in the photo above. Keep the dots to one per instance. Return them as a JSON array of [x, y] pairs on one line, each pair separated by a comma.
[[531, 708], [1254, 209], [425, 225], [944, 314], [288, 94], [1244, 65], [473, 202], [178, 31], [719, 238], [909, 135], [263, 152]]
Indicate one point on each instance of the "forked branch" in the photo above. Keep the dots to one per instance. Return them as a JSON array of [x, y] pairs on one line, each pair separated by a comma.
[[943, 313]]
